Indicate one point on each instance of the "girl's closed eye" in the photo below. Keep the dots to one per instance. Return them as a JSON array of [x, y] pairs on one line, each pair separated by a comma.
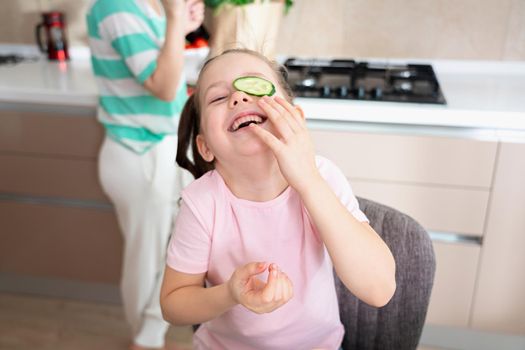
[[217, 99]]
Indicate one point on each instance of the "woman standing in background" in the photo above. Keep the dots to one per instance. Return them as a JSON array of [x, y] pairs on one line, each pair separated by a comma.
[[138, 56]]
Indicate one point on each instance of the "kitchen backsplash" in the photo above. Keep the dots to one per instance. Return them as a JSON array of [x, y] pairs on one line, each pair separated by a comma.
[[434, 29]]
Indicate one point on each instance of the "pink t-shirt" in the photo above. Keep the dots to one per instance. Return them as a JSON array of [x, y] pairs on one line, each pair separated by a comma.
[[216, 232]]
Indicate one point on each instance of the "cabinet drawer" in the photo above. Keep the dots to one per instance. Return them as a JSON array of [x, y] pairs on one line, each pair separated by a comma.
[[55, 177], [406, 158], [50, 134], [451, 299], [60, 242], [454, 210]]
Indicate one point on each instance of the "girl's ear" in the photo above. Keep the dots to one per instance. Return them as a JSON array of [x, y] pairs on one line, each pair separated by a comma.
[[203, 148]]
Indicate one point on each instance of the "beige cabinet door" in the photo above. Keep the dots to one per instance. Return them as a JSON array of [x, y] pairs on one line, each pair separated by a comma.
[[499, 303], [56, 221], [455, 279]]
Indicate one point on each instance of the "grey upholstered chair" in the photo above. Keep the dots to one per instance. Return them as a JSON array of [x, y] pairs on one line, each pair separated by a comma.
[[397, 325]]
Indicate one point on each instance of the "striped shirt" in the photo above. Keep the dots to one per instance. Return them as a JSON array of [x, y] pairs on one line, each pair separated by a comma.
[[125, 37]]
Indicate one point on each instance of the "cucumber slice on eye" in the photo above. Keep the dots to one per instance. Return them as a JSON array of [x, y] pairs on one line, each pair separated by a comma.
[[254, 86]]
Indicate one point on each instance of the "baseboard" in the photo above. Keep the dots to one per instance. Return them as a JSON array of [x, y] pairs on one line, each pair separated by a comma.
[[60, 288], [467, 339]]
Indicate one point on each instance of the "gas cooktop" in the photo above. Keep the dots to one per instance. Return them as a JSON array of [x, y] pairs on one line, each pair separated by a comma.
[[352, 80]]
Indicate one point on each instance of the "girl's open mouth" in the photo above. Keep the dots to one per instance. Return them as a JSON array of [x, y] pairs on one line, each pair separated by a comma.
[[246, 120]]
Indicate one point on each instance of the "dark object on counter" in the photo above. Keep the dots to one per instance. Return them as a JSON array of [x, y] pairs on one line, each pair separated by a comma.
[[11, 59], [15, 58], [398, 324], [55, 28], [351, 80], [198, 38]]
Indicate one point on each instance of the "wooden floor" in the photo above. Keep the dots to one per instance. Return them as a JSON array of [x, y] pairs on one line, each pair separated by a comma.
[[30, 322]]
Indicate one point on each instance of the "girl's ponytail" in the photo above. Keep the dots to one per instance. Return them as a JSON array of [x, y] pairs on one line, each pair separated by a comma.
[[189, 127]]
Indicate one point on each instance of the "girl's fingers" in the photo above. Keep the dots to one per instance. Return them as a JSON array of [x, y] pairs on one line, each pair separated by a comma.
[[278, 104], [289, 289], [275, 114], [297, 116], [286, 287], [279, 288], [268, 292], [267, 137]]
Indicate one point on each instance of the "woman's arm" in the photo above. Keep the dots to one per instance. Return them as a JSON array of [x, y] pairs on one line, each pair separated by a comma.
[[361, 259], [181, 18]]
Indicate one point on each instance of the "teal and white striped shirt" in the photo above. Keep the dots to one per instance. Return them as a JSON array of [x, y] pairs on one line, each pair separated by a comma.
[[125, 37]]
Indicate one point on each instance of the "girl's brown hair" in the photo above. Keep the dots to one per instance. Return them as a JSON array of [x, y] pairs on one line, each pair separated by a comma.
[[189, 124]]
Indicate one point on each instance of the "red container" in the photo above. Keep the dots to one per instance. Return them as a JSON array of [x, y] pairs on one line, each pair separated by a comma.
[[55, 44]]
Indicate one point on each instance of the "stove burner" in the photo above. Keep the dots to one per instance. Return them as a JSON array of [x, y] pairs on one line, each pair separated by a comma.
[[348, 79], [308, 81], [403, 86]]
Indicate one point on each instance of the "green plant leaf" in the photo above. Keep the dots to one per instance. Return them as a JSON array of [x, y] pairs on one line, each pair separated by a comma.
[[240, 2], [287, 5], [214, 4]]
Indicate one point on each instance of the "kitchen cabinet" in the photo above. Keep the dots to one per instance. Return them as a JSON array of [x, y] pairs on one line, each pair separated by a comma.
[[454, 284], [447, 184], [56, 221], [499, 303], [442, 182]]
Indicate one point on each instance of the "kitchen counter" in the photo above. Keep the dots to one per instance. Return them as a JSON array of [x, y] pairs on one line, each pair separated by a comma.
[[484, 99], [70, 83]]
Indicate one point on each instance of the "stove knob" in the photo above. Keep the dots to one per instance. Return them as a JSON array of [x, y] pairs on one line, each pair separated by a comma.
[[361, 92], [326, 91], [342, 91], [377, 93]]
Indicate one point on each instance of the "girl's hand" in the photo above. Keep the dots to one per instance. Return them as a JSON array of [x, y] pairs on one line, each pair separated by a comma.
[[257, 296], [294, 149]]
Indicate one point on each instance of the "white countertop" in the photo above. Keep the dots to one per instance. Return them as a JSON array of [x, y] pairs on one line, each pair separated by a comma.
[[479, 94], [69, 83]]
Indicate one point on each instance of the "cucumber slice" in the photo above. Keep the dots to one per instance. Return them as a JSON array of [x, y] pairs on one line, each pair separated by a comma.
[[254, 86]]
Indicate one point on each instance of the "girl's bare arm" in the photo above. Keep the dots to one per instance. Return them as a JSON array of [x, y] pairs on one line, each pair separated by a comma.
[[185, 301]]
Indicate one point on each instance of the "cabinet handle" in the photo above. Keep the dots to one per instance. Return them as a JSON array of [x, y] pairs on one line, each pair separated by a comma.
[[453, 237]]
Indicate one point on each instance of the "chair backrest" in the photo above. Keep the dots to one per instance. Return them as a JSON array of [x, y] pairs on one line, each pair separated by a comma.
[[397, 325]]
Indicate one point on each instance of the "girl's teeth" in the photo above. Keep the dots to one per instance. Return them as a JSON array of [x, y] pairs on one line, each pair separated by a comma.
[[247, 121]]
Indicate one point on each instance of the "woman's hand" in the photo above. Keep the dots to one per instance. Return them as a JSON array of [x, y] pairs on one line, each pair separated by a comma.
[[194, 15], [191, 12], [260, 297], [294, 148], [174, 8]]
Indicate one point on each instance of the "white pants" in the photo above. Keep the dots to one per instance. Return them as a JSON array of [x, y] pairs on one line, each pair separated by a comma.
[[144, 190]]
